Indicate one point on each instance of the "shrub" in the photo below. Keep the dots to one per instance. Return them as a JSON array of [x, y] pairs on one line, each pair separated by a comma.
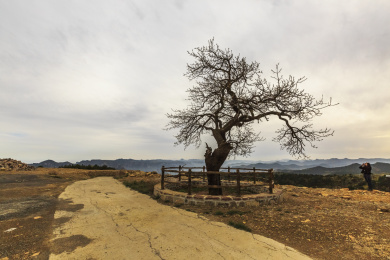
[[53, 173], [234, 212], [140, 186], [239, 225], [218, 213]]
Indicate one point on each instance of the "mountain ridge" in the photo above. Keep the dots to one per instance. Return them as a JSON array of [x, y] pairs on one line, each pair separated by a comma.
[[329, 166]]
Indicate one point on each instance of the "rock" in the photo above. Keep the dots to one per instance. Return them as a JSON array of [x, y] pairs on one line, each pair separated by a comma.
[[14, 165], [9, 230], [352, 238], [324, 194]]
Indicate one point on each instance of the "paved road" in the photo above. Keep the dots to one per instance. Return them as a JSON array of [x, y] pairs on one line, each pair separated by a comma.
[[116, 222]]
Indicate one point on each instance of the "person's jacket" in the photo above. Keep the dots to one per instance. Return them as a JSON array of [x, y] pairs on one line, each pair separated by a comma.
[[366, 169]]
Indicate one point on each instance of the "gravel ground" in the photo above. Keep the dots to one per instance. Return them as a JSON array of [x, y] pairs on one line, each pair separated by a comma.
[[27, 205]]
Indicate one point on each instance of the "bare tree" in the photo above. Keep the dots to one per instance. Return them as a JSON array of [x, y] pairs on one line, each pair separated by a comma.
[[230, 95]]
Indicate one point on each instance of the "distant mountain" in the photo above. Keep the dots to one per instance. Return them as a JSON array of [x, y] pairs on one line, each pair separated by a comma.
[[275, 166], [322, 166], [50, 164], [377, 168], [308, 164], [381, 167], [128, 164], [152, 165], [143, 165], [333, 162]]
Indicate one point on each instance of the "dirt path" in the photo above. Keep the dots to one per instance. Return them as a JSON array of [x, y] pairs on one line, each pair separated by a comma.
[[109, 221]]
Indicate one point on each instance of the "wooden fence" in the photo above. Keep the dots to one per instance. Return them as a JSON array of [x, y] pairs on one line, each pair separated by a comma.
[[236, 174]]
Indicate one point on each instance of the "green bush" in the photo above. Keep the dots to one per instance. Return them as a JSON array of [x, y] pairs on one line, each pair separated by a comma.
[[239, 225], [234, 212], [140, 186], [53, 173], [218, 213]]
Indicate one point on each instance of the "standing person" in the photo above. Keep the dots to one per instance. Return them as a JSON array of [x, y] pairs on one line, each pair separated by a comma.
[[366, 170]]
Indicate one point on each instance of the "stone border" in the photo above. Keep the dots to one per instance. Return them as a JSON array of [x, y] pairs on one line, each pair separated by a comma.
[[227, 201]]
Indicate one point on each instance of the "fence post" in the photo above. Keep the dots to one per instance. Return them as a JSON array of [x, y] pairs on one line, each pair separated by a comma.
[[229, 173], [238, 183], [204, 174], [179, 172], [162, 177], [189, 181], [271, 180], [254, 175]]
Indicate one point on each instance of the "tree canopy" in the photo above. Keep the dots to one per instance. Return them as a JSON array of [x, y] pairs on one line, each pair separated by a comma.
[[231, 94]]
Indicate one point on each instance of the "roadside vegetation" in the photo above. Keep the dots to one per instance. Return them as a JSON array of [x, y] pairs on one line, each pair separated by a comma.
[[142, 186], [239, 225], [350, 181]]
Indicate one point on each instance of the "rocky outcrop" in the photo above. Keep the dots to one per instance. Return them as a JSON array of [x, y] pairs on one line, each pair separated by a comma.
[[14, 165], [50, 164]]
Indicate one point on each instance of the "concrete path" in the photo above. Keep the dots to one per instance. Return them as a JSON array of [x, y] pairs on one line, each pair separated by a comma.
[[119, 223]]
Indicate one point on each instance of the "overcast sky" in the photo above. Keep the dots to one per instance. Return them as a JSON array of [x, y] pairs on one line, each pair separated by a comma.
[[94, 79]]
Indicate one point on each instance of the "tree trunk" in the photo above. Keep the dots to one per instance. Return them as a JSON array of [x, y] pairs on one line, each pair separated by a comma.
[[214, 160]]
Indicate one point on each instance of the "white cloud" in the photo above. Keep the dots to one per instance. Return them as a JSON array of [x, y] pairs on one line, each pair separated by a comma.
[[80, 80]]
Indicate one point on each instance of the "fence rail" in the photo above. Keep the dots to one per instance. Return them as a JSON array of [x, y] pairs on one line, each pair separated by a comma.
[[231, 173]]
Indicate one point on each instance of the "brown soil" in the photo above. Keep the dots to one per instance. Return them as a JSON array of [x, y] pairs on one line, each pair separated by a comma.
[[322, 223], [28, 200]]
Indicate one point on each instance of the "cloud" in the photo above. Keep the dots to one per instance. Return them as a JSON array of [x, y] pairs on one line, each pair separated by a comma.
[[81, 80]]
